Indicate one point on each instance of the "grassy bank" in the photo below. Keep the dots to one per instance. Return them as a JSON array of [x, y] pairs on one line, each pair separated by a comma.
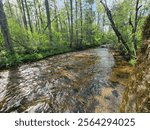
[[7, 60]]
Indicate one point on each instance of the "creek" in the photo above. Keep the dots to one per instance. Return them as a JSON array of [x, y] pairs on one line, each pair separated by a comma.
[[72, 82]]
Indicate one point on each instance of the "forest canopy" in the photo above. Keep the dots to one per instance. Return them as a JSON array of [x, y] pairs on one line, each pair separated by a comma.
[[34, 29]]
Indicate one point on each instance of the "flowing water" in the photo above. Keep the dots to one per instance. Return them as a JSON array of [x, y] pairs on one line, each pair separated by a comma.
[[72, 82]]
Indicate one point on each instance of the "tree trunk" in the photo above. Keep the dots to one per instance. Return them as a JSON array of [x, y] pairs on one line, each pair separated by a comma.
[[71, 30], [81, 18], [17, 15], [135, 25], [36, 16], [40, 17], [98, 19], [48, 20], [77, 44], [113, 25], [61, 26], [28, 15], [24, 14], [56, 19], [5, 29], [68, 18], [10, 9]]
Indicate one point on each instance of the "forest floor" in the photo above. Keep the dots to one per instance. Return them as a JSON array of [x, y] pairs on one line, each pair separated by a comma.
[[92, 80]]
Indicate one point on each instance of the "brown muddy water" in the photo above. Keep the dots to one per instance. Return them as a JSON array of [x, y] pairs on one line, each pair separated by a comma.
[[72, 82]]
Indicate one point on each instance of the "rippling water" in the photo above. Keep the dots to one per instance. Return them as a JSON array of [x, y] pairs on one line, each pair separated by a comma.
[[72, 82]]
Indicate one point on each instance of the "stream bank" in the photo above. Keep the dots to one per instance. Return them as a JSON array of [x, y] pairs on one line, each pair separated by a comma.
[[137, 96]]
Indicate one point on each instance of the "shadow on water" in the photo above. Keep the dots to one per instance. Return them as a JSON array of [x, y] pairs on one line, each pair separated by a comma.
[[11, 99]]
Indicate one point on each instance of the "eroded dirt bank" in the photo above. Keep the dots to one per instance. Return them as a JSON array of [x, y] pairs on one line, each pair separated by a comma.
[[137, 96]]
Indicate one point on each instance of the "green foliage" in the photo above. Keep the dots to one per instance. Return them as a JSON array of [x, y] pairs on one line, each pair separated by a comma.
[[124, 15], [107, 38], [15, 59], [1, 40], [132, 62], [32, 46]]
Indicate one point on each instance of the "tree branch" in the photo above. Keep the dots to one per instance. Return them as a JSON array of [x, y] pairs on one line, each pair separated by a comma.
[[51, 21], [130, 22]]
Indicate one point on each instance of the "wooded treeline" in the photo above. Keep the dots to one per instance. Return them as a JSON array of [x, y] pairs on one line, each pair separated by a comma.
[[33, 29]]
